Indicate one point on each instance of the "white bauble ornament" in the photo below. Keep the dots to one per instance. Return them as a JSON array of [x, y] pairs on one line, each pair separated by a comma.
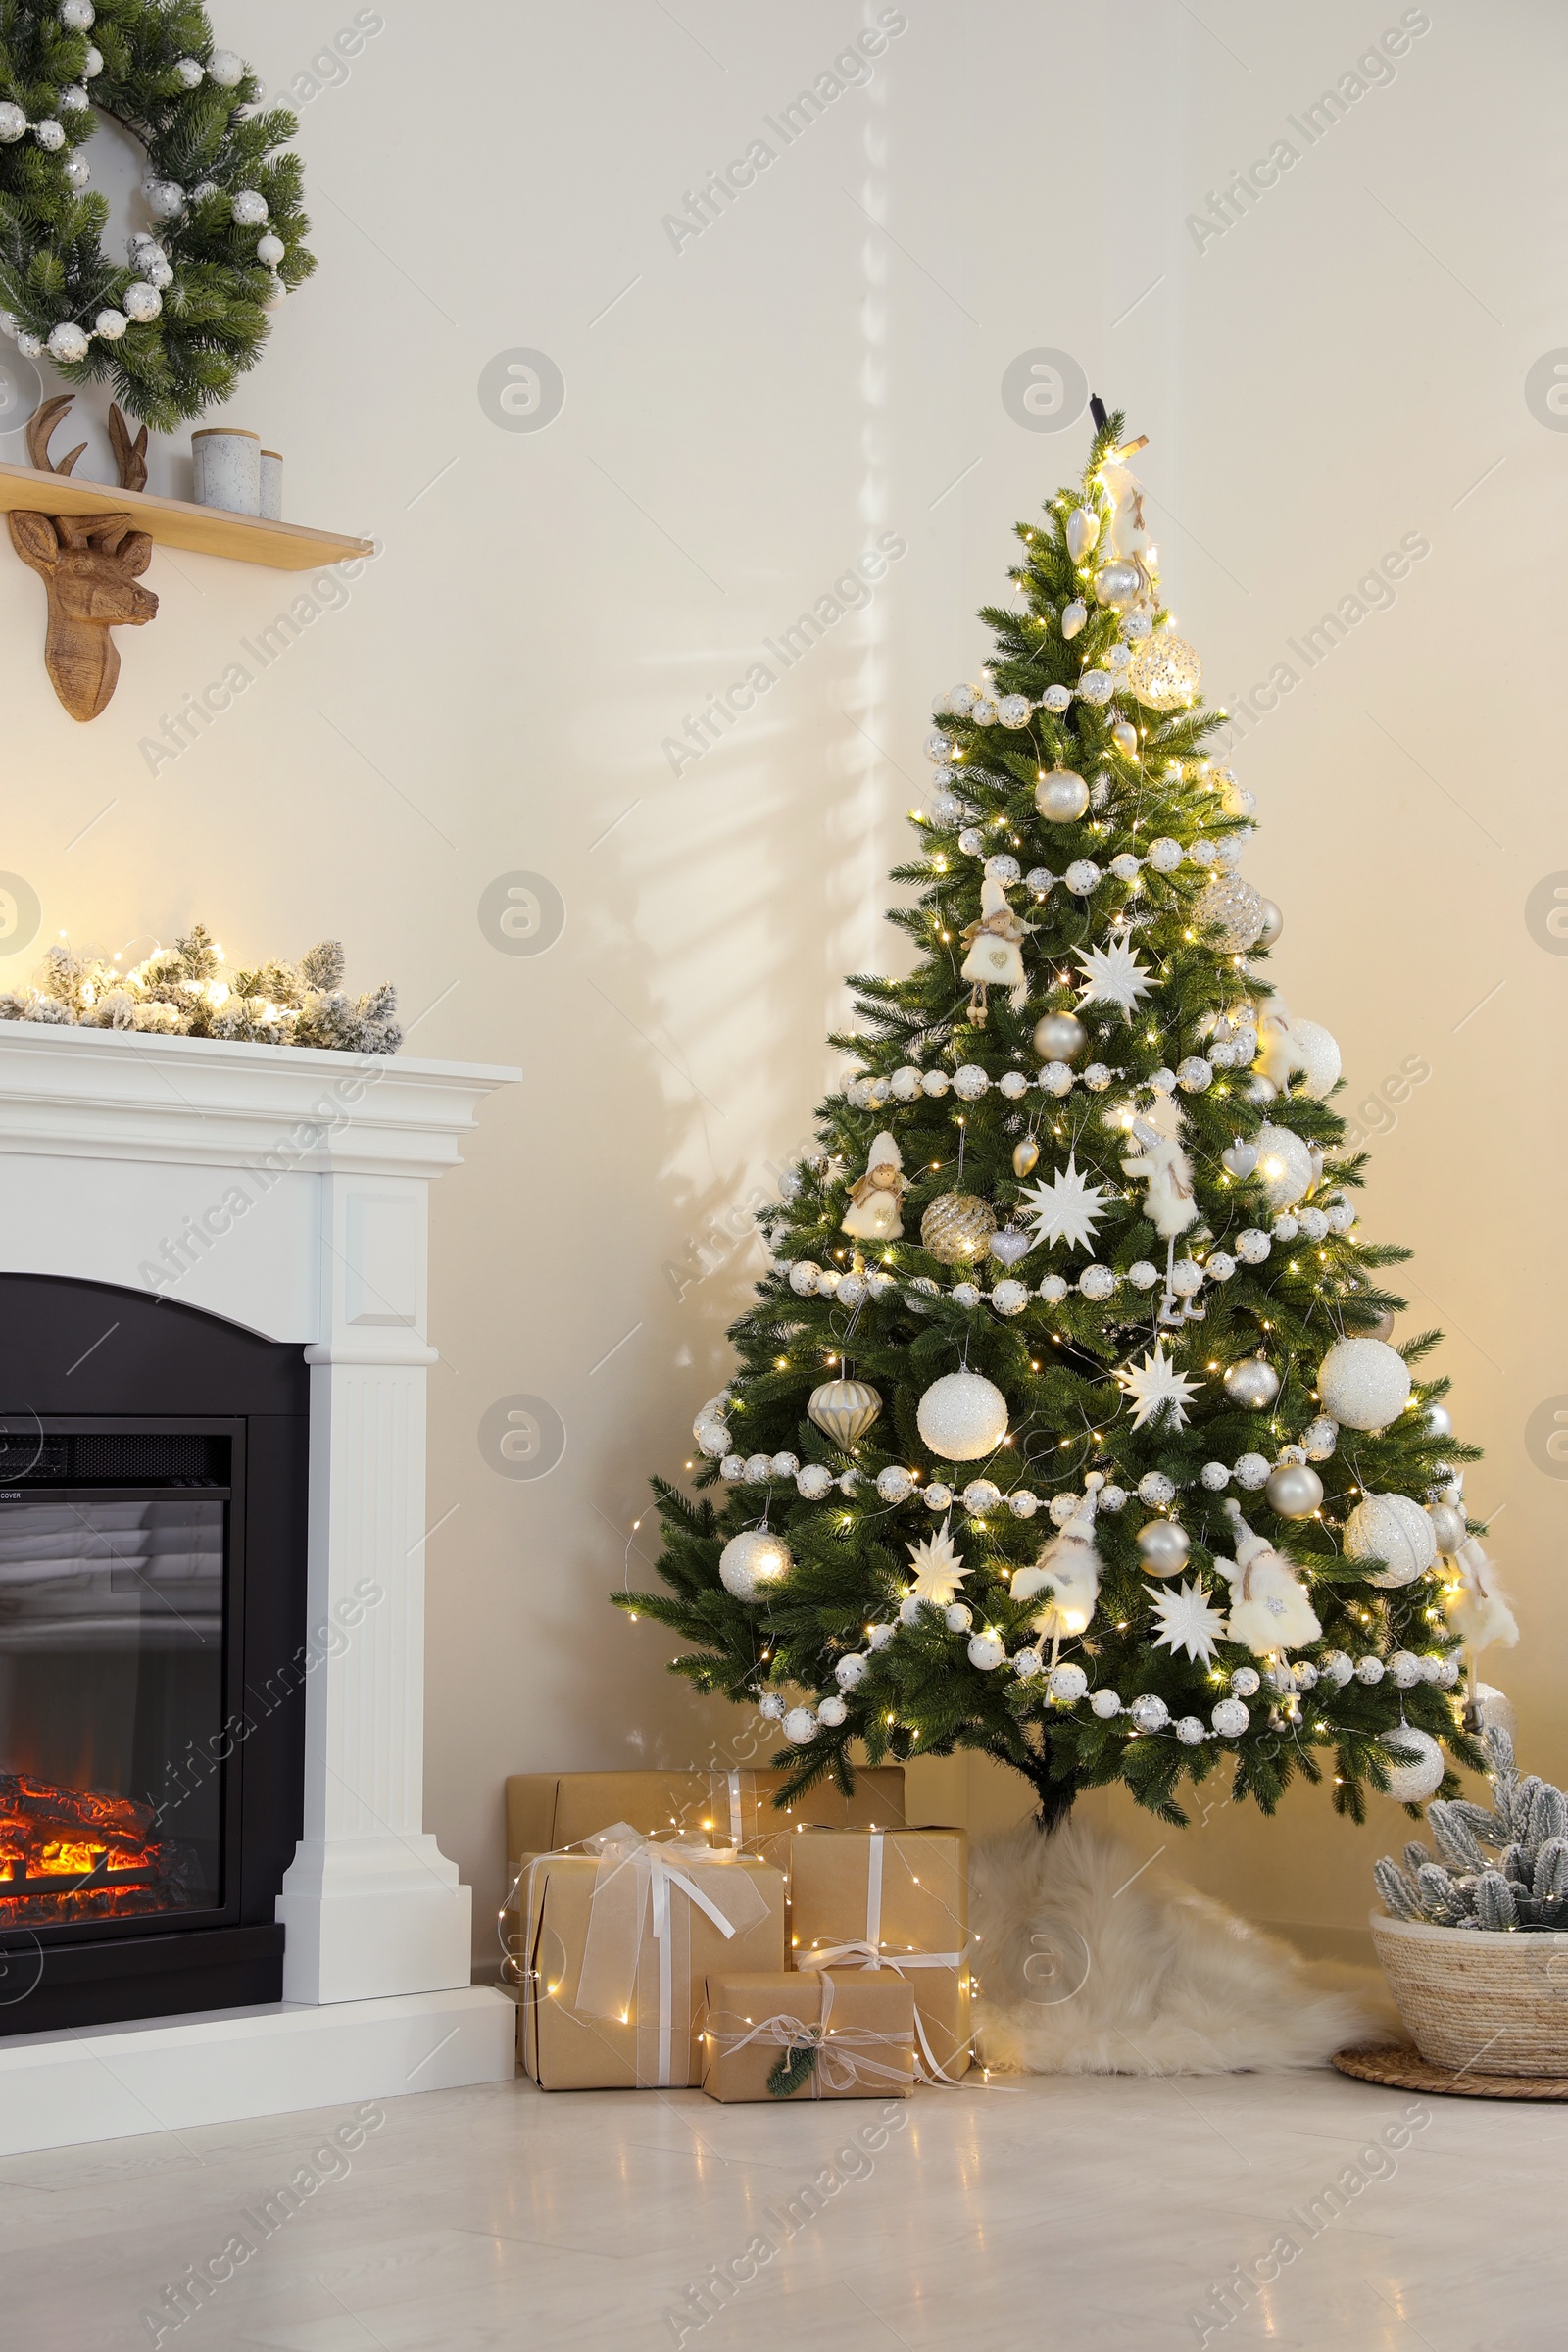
[[249, 209], [142, 303], [1439, 1421], [986, 1652], [894, 1484], [909, 1608], [981, 1495], [166, 198], [1156, 1489], [852, 1671], [957, 1228], [110, 325], [881, 1634], [1252, 1383], [1395, 1530], [190, 71], [1012, 711], [962, 1416], [713, 1437], [78, 173], [1165, 672], [958, 1617], [800, 1725], [1405, 1670], [936, 1496], [1105, 1704], [1229, 1718], [1246, 1682], [1022, 1505], [1495, 1709], [758, 1469], [844, 1409], [1067, 1685], [1027, 1663], [226, 68], [1059, 1036], [1118, 585], [785, 1465], [1190, 1730], [1418, 1766], [1061, 796], [1148, 1712], [1250, 1471], [751, 1563], [1234, 908], [1285, 1166], [1293, 1491], [832, 1712], [77, 16], [1316, 1055], [1273, 924], [1164, 1548], [1336, 1668], [1125, 738], [771, 1707], [805, 1275], [50, 134], [1369, 1670], [13, 123], [1363, 1383], [68, 344], [732, 1469], [813, 1481]]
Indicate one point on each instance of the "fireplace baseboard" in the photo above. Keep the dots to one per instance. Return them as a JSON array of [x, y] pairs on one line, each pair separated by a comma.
[[143, 1976], [120, 2082]]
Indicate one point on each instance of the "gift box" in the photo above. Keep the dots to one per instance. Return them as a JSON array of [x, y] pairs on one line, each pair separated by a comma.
[[894, 1900], [618, 1942], [549, 1810], [836, 2034]]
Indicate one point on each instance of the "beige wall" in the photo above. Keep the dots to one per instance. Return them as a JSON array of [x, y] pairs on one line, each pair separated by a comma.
[[1345, 366]]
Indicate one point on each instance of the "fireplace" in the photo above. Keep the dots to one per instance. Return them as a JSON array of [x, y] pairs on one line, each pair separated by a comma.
[[153, 1656]]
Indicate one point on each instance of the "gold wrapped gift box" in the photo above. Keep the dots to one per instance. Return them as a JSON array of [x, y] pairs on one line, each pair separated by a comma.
[[894, 1900], [849, 2032], [549, 1810]]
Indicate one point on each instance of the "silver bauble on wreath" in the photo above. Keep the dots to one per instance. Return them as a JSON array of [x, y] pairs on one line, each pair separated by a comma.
[[1164, 1548], [1365, 1383], [1418, 1768], [1166, 673], [844, 1409], [1061, 796], [751, 1563], [962, 1416], [957, 1228], [1293, 1491], [1234, 908], [1252, 1383], [1059, 1036], [1395, 1530]]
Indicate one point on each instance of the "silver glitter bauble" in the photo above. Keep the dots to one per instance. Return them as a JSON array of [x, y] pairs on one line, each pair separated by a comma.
[[962, 1417], [1234, 908], [1273, 925], [1164, 1548], [1319, 1438], [1394, 1529], [1246, 1682], [1418, 1766], [1164, 673], [1448, 1525], [1229, 1718], [1118, 585], [1294, 1491], [958, 1227], [1148, 1712], [750, 1563], [1363, 1383], [986, 1652], [1061, 796], [1059, 1036], [1252, 1383], [844, 1409], [1067, 1685]]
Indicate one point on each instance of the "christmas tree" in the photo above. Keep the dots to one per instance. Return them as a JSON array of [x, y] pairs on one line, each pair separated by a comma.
[[1066, 1425]]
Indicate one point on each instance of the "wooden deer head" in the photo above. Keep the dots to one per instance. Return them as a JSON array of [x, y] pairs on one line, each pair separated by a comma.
[[90, 564]]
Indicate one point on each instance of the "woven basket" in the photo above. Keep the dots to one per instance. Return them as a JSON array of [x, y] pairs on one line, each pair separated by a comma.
[[1495, 2002]]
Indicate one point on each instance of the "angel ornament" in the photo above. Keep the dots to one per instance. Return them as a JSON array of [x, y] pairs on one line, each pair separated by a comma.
[[1068, 1570], [1169, 1204], [1270, 1608], [995, 951], [877, 1199]]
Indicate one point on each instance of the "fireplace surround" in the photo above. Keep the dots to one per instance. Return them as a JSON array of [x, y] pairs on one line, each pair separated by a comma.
[[224, 1246]]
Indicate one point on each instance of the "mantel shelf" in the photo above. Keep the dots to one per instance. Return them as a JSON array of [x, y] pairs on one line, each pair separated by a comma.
[[177, 523]]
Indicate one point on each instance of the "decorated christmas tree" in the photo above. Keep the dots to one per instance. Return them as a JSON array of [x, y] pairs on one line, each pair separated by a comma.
[[1068, 1426]]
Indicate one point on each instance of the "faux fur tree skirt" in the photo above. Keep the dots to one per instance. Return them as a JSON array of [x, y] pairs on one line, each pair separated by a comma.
[[1088, 1965]]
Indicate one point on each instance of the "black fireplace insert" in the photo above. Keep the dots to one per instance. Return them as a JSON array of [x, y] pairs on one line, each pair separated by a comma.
[[153, 1654]]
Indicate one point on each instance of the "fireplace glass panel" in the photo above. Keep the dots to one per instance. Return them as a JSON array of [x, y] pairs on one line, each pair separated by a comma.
[[111, 1674]]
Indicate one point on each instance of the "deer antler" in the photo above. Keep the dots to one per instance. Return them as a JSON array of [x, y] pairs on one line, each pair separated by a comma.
[[129, 456], [42, 428]]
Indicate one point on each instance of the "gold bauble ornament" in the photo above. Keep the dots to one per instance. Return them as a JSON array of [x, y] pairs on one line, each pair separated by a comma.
[[1025, 1156], [1164, 671], [958, 1227], [844, 1409]]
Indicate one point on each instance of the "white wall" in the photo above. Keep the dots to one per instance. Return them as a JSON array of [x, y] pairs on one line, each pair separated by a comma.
[[743, 418]]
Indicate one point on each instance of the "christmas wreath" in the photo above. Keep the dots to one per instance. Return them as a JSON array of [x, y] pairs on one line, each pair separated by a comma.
[[176, 326]]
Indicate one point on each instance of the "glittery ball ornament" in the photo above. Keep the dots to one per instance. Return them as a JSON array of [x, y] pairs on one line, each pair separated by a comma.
[[1234, 908], [1418, 1765], [958, 1227], [1395, 1530], [962, 1417], [1164, 671], [1252, 1383], [1364, 1384], [751, 1563], [844, 1409], [1061, 796]]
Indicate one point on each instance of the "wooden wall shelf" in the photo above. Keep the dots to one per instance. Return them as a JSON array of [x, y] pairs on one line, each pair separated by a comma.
[[177, 523]]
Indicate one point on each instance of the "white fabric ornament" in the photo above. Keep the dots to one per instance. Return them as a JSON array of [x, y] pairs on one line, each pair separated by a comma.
[[1364, 1384], [1477, 1612], [1270, 1611], [1167, 1174], [962, 1416], [995, 956], [1394, 1529], [1068, 1570], [874, 1213]]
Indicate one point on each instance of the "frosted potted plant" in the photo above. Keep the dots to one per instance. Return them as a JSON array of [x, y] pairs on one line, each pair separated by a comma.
[[1475, 1946]]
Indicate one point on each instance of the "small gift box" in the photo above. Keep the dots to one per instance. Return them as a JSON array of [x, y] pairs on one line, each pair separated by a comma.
[[839, 2033], [549, 1810], [617, 1940], [891, 1900]]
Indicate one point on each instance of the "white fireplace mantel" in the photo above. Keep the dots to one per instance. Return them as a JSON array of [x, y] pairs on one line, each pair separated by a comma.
[[285, 1189]]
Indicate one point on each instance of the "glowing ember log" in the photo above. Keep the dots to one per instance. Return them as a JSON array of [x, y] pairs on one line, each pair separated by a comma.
[[73, 1853]]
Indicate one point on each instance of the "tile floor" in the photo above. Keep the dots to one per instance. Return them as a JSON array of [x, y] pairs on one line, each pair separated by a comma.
[[988, 2217]]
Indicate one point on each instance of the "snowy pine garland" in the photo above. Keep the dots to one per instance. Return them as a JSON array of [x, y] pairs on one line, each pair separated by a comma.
[[174, 327], [185, 990]]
